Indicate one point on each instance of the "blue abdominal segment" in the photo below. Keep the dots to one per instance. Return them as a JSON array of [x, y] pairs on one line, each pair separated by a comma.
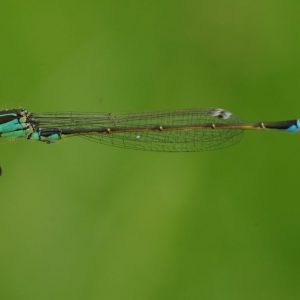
[[294, 128]]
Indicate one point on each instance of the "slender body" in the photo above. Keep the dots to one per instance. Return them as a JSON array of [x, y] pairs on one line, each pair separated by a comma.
[[171, 131]]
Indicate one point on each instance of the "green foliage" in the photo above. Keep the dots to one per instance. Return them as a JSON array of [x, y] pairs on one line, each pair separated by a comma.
[[79, 220]]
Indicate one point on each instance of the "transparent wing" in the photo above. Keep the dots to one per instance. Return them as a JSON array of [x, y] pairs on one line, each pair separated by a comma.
[[188, 139]]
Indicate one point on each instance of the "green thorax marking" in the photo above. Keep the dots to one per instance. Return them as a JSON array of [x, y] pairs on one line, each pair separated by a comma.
[[14, 123], [17, 123]]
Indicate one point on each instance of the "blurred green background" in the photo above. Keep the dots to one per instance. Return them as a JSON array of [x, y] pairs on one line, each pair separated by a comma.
[[80, 220]]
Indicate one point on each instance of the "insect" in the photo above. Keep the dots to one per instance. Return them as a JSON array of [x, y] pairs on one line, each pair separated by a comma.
[[186, 130]]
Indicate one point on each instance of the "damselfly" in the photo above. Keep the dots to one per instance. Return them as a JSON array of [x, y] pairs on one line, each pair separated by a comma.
[[168, 131]]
